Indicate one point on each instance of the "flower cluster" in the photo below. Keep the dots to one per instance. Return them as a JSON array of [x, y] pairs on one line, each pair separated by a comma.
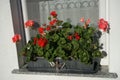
[[42, 29], [76, 36], [29, 23], [53, 13], [103, 25], [16, 38], [62, 39]]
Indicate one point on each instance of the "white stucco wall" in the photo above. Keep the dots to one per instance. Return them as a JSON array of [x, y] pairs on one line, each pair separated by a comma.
[[8, 56]]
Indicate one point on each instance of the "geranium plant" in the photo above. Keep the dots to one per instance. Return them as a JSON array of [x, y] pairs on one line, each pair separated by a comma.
[[64, 40]]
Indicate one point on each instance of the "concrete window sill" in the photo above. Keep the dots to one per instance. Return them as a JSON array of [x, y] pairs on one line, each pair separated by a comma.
[[100, 74]]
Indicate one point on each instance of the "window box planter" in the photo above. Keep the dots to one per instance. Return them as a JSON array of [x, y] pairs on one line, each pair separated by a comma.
[[68, 66]]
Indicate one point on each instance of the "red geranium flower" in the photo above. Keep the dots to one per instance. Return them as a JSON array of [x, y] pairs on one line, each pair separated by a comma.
[[41, 30], [16, 38], [76, 34], [42, 42], [29, 23], [70, 37], [35, 40], [48, 28], [53, 22], [103, 25], [77, 37], [53, 13]]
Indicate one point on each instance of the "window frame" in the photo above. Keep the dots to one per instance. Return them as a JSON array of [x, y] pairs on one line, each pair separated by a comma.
[[18, 26]]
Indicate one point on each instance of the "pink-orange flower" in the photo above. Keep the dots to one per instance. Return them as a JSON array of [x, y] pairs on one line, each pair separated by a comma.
[[16, 38], [82, 19], [29, 23], [53, 13], [87, 21], [42, 42], [41, 30], [103, 25]]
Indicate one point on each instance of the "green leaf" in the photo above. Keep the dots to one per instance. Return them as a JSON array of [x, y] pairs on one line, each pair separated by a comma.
[[97, 53], [67, 46], [66, 25], [47, 47], [61, 41], [40, 52], [38, 36], [55, 37], [75, 44], [78, 29], [59, 22], [49, 18]]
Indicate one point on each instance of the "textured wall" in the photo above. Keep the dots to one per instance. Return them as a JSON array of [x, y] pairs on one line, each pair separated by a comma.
[[8, 57]]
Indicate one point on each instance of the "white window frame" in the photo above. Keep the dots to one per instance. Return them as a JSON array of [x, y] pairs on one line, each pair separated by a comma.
[[104, 13]]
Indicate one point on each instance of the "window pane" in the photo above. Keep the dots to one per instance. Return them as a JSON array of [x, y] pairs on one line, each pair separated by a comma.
[[67, 10]]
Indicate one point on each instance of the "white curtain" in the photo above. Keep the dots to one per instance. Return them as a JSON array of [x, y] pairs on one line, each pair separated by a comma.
[[67, 10]]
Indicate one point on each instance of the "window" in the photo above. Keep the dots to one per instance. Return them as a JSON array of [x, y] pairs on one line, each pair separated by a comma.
[[38, 10]]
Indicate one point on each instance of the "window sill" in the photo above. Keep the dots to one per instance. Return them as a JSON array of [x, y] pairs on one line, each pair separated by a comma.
[[100, 74]]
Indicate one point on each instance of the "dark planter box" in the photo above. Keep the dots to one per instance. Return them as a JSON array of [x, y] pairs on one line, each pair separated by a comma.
[[72, 66], [79, 67]]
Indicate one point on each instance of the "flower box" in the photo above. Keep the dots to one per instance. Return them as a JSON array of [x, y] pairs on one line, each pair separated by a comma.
[[68, 66]]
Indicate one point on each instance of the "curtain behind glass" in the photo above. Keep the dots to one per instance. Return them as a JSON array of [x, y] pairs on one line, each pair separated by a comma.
[[67, 10]]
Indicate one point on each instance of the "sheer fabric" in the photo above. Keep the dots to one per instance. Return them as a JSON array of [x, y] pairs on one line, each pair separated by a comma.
[[67, 10]]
